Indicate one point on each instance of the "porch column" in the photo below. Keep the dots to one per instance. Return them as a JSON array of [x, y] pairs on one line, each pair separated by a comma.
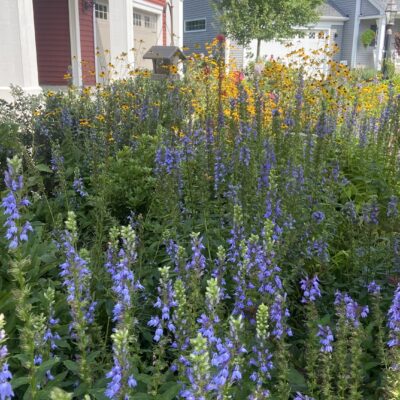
[[121, 35], [18, 62], [356, 31], [380, 43]]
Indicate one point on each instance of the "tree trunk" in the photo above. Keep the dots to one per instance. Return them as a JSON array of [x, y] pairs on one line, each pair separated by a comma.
[[258, 49]]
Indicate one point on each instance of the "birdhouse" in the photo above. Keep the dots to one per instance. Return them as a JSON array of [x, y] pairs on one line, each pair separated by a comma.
[[165, 60]]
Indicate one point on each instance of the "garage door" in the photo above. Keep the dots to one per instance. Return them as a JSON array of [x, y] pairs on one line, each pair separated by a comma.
[[102, 41], [311, 40], [145, 35]]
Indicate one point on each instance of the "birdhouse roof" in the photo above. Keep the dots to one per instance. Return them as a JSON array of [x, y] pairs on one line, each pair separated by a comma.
[[163, 52]]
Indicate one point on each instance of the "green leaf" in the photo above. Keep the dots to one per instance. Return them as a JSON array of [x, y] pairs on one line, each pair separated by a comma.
[[144, 378], [46, 366], [17, 382], [98, 393], [371, 364], [72, 366], [171, 392], [141, 396], [43, 168], [296, 379]]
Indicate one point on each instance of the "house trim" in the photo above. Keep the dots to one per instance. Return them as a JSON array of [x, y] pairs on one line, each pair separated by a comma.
[[145, 6], [333, 19], [74, 32], [380, 41], [28, 46], [376, 16]]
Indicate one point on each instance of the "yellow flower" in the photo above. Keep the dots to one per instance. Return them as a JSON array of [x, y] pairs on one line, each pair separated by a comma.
[[84, 122]]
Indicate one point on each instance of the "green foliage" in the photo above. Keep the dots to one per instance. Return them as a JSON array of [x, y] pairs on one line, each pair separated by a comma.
[[202, 209], [367, 37], [245, 20]]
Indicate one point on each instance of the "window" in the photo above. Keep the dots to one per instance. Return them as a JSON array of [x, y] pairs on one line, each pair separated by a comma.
[[101, 11], [195, 25], [137, 19], [311, 35], [149, 22]]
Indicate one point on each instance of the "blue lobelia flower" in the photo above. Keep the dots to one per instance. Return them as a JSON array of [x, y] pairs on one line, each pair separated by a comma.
[[326, 338], [310, 287], [13, 203], [394, 320]]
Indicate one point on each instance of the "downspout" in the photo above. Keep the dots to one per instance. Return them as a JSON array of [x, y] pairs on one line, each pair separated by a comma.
[[355, 34]]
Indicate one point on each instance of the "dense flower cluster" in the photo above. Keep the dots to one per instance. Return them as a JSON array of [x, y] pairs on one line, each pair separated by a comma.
[[76, 278], [351, 309], [12, 204], [310, 287], [326, 338]]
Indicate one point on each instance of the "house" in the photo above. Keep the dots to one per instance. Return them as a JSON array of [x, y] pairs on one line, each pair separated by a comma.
[[341, 21], [43, 42]]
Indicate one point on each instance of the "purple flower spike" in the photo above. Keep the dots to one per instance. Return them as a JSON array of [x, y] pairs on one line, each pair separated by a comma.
[[326, 338], [394, 320], [374, 288], [12, 204], [310, 287]]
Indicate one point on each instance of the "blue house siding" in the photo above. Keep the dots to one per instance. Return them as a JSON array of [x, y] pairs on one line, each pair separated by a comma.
[[348, 8], [199, 9], [337, 31], [368, 9]]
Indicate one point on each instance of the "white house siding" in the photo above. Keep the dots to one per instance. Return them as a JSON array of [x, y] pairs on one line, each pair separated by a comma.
[[236, 53], [18, 62]]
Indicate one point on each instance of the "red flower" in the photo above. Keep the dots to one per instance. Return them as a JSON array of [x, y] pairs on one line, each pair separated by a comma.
[[221, 38], [238, 76]]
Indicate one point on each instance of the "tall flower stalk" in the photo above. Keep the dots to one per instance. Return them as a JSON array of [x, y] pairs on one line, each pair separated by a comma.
[[125, 287], [32, 327], [6, 391], [310, 288], [77, 279]]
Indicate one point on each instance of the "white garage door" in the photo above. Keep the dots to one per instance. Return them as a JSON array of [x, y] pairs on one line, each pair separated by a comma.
[[102, 41], [145, 35], [312, 40]]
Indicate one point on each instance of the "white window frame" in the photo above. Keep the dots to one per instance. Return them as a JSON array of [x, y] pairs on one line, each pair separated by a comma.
[[197, 30], [101, 11], [140, 20]]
